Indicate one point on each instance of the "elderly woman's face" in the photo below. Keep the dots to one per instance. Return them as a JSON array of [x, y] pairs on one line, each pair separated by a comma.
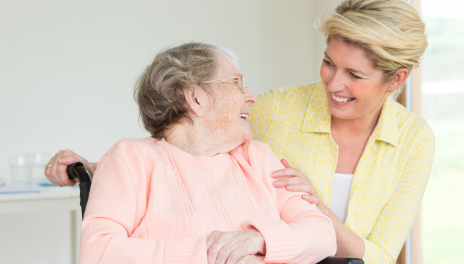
[[228, 118], [354, 88]]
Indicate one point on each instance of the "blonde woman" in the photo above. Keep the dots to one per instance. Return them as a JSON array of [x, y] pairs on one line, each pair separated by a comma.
[[363, 159]]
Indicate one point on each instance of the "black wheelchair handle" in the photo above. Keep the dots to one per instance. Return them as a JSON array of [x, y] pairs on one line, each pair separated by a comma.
[[77, 170]]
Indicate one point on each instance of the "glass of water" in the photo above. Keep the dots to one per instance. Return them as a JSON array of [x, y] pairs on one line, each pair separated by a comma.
[[20, 169]]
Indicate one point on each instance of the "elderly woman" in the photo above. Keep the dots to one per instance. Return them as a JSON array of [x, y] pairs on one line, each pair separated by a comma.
[[199, 190], [362, 158]]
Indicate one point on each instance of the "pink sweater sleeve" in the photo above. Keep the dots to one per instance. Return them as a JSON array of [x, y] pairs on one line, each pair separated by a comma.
[[117, 204], [305, 235]]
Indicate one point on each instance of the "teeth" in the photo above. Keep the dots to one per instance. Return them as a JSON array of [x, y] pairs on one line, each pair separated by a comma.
[[244, 115], [339, 99]]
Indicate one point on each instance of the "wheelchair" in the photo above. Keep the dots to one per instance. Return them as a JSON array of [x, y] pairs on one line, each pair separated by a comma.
[[77, 170]]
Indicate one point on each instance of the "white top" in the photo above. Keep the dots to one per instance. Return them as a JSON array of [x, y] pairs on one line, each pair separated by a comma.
[[341, 195]]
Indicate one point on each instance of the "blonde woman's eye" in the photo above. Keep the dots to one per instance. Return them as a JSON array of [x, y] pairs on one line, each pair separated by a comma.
[[355, 76], [328, 63]]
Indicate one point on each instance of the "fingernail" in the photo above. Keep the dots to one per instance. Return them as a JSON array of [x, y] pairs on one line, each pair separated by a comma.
[[274, 174], [62, 159], [277, 182], [290, 187], [305, 196]]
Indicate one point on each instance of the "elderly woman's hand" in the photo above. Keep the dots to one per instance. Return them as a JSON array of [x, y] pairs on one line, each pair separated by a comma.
[[233, 247], [295, 181], [251, 259], [57, 174]]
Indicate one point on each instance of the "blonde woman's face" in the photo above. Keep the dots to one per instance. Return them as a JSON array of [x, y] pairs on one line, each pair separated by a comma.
[[354, 88], [227, 121]]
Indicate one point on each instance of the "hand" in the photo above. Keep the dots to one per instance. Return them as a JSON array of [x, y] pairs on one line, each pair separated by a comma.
[[295, 181], [231, 247], [57, 175], [251, 259]]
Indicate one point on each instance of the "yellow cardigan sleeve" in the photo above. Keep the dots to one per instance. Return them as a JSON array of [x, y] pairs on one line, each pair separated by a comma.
[[396, 218]]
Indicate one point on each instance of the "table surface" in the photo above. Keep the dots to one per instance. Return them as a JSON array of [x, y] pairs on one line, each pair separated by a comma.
[[44, 193]]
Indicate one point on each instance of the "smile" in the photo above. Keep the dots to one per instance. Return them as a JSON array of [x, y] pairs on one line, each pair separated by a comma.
[[341, 99], [244, 116]]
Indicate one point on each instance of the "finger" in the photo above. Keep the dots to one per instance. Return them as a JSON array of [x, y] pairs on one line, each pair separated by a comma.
[[228, 242], [60, 168], [285, 163], [231, 246], [53, 169], [311, 199], [48, 171], [299, 188], [62, 174], [289, 172], [287, 181], [216, 246], [250, 259], [69, 159], [237, 253], [211, 238]]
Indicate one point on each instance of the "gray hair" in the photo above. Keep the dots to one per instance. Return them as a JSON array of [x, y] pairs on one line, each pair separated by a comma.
[[159, 92]]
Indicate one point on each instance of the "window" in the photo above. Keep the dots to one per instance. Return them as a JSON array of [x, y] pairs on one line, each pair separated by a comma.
[[443, 107]]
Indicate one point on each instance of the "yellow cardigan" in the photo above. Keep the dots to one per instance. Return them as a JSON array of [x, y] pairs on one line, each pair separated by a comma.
[[390, 177]]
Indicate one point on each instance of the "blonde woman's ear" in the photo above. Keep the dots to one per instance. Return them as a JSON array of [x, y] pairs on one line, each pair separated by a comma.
[[400, 78]]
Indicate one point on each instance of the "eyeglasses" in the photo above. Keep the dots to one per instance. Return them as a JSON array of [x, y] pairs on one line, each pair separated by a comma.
[[240, 80]]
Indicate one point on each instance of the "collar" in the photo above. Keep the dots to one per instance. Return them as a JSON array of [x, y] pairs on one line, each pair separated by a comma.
[[318, 118]]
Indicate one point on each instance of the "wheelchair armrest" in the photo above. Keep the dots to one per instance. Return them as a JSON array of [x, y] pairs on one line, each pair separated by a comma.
[[341, 260]]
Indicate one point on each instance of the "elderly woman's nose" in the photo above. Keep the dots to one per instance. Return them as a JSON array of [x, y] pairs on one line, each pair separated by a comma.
[[250, 98]]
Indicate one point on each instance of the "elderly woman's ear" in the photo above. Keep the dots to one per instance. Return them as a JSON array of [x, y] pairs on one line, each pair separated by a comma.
[[197, 99]]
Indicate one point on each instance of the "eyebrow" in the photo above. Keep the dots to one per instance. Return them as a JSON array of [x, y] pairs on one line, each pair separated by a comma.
[[352, 70]]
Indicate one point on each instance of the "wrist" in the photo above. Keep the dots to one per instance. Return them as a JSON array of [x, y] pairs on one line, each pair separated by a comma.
[[324, 209]]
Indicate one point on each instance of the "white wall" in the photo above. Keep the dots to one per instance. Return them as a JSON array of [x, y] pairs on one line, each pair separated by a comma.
[[68, 67]]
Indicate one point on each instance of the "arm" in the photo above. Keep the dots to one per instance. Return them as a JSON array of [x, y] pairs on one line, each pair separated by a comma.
[[348, 243], [402, 207], [396, 218], [118, 202], [304, 228]]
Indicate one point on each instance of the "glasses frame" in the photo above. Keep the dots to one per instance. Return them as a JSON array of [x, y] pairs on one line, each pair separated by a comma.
[[240, 80]]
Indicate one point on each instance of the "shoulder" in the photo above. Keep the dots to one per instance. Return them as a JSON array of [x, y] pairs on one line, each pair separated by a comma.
[[253, 150], [413, 131], [134, 147], [410, 123], [301, 91]]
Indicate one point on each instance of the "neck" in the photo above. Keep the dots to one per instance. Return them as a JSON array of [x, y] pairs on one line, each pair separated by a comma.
[[194, 140], [359, 127]]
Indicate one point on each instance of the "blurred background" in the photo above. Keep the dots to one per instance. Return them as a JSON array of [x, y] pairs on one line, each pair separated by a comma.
[[442, 92], [68, 69]]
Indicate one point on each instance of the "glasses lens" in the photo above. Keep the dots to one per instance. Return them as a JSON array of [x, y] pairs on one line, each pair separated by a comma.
[[242, 84]]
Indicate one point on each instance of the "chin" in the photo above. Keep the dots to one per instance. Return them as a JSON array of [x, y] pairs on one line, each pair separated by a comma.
[[341, 114]]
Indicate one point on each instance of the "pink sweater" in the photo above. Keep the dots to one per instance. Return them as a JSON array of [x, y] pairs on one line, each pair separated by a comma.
[[154, 203]]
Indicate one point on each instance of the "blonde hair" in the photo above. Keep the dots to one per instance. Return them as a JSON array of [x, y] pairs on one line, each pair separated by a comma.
[[391, 32], [159, 92]]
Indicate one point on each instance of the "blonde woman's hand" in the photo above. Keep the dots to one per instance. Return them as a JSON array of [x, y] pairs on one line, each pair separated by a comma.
[[57, 174], [295, 181], [231, 247]]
